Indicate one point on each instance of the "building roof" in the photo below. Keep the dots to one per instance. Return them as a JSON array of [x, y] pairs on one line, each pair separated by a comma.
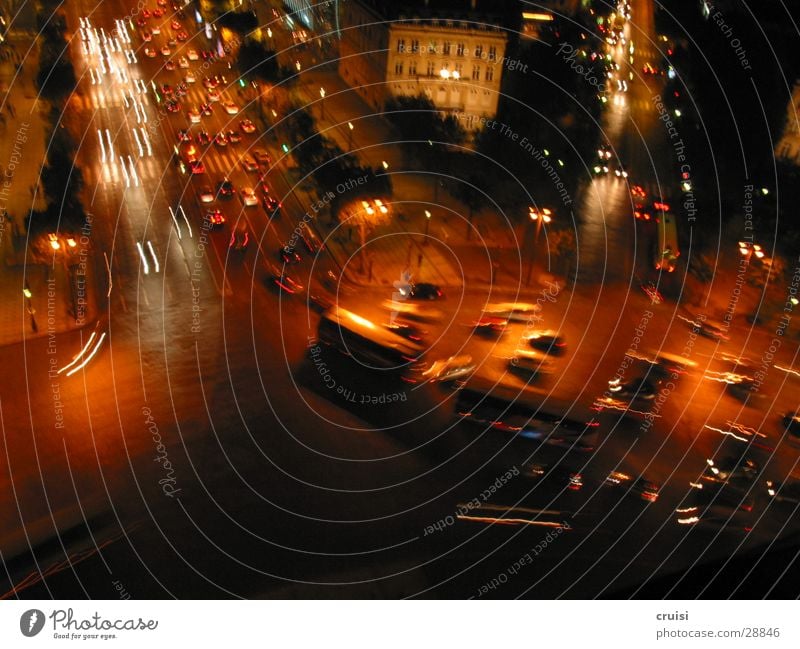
[[502, 13]]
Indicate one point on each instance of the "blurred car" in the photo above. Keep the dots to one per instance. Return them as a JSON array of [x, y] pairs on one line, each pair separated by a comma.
[[149, 52], [248, 197], [490, 326], [194, 115], [247, 126], [182, 62], [147, 36], [262, 157], [181, 89], [621, 171], [220, 139], [184, 135], [283, 281], [271, 205], [640, 389], [729, 469], [234, 137], [547, 341], [203, 138], [559, 475], [156, 29], [169, 65], [310, 240], [182, 36], [196, 167], [791, 422], [210, 82], [289, 256], [212, 95], [454, 368], [413, 310], [249, 163], [172, 106], [175, 24], [206, 194], [406, 330], [167, 89], [192, 55], [216, 218], [190, 78], [425, 291], [514, 311], [531, 361], [708, 328], [205, 109], [240, 238], [230, 107], [165, 51], [784, 492], [645, 489], [225, 189]]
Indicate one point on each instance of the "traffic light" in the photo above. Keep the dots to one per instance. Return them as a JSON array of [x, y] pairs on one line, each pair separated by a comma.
[[285, 147]]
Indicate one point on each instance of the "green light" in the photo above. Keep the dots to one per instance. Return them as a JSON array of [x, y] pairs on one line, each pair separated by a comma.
[[285, 148], [241, 82]]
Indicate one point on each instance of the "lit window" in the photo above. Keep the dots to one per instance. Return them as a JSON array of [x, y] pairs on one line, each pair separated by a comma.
[[478, 51], [489, 73], [401, 45], [460, 49]]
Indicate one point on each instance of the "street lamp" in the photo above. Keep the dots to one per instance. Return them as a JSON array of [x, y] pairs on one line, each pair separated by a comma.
[[322, 101], [427, 226], [350, 128], [539, 217]]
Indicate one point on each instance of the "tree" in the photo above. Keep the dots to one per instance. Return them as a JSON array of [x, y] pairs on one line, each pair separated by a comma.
[[254, 58], [561, 244], [418, 119]]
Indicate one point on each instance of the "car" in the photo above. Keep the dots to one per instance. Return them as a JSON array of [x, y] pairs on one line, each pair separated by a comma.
[[167, 89], [183, 63], [406, 330], [621, 171], [216, 218], [240, 238], [514, 311], [791, 422], [233, 137], [547, 341], [176, 24], [425, 291], [203, 138], [141, 21], [182, 36], [192, 55], [156, 29], [172, 42], [645, 489], [149, 52], [413, 311], [158, 12], [262, 157], [271, 206], [210, 83], [248, 197], [165, 51], [169, 65], [205, 109], [196, 167], [206, 194], [708, 328], [283, 281], [172, 106], [531, 361], [184, 135], [190, 78], [559, 475], [640, 389], [249, 163], [784, 492], [230, 107], [212, 95], [455, 368], [194, 115], [289, 256], [147, 36], [490, 325], [247, 126], [225, 189], [729, 470], [647, 68], [146, 13], [220, 139], [310, 239]]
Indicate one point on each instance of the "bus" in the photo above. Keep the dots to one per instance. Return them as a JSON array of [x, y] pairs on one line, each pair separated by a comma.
[[366, 341], [668, 251]]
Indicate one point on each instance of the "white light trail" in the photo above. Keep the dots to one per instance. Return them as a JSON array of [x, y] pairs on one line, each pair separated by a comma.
[[186, 219], [110, 144], [145, 265], [124, 172], [155, 259], [147, 142], [138, 143], [134, 175], [102, 146]]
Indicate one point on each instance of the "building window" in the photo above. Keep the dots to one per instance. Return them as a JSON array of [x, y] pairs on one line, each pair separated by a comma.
[[431, 68], [446, 48], [489, 73], [492, 53], [478, 51], [412, 67], [398, 68], [432, 47], [414, 46], [401, 45], [460, 49], [476, 73], [459, 71]]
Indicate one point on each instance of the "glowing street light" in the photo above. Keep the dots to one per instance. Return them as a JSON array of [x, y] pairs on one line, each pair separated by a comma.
[[322, 101], [545, 215], [54, 244], [427, 226]]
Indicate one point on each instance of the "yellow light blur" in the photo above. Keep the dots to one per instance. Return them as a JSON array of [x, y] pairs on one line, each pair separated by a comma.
[[54, 242], [71, 242], [362, 321], [27, 292]]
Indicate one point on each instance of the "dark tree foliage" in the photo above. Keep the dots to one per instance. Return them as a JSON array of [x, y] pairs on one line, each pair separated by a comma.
[[417, 119]]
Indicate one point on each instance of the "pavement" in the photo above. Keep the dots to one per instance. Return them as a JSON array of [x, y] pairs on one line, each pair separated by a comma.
[[62, 296]]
